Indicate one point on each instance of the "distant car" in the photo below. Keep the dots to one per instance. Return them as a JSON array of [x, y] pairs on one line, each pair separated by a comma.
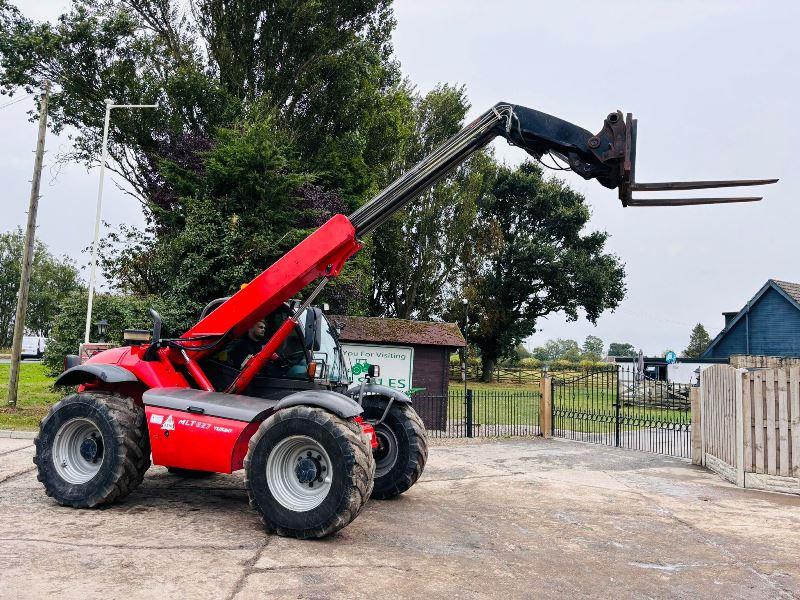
[[33, 346]]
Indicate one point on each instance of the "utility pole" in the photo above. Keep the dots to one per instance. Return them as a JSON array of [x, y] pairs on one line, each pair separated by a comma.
[[27, 254]]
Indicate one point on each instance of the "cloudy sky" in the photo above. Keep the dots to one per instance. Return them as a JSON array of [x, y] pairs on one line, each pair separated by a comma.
[[715, 88]]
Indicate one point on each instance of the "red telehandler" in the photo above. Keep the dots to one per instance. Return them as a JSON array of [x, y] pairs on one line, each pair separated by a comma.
[[260, 382]]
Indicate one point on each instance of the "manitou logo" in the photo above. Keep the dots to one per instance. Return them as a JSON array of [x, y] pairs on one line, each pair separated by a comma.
[[169, 424]]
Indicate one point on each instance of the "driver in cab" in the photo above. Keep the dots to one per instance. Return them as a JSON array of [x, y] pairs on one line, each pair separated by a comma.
[[242, 349]]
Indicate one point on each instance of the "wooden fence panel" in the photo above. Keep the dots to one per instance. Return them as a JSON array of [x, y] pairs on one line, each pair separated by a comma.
[[751, 426], [719, 413]]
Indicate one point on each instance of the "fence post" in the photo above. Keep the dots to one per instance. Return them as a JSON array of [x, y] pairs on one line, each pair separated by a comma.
[[697, 426], [617, 402], [546, 405], [739, 406], [469, 413]]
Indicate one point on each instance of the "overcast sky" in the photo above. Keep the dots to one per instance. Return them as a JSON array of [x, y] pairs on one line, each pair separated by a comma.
[[714, 86]]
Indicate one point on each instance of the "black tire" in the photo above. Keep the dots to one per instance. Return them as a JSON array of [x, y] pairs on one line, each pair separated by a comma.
[[122, 455], [351, 471], [403, 446], [189, 473]]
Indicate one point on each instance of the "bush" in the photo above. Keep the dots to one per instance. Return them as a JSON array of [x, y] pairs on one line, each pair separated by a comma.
[[121, 312], [530, 363]]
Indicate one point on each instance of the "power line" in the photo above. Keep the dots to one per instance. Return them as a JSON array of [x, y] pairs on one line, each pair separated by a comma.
[[7, 104]]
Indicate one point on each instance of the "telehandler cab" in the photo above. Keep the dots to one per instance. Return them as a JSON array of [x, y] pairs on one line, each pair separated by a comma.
[[313, 447]]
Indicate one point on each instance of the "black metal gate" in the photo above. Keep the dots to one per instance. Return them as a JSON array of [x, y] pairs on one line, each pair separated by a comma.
[[479, 413], [620, 406]]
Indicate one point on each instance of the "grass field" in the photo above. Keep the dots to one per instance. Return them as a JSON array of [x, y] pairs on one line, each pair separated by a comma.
[[36, 395], [497, 404], [579, 407]]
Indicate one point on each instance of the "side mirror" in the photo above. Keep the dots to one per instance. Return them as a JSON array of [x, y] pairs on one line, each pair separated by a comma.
[[374, 371], [318, 321], [312, 329], [156, 325]]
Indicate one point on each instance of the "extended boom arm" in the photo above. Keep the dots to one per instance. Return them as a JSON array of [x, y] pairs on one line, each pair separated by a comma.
[[608, 156]]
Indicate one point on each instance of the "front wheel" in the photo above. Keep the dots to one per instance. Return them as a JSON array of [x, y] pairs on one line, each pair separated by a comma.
[[308, 472], [402, 446], [92, 449]]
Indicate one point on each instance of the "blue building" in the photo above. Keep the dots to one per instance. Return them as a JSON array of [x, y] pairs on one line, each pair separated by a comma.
[[768, 325]]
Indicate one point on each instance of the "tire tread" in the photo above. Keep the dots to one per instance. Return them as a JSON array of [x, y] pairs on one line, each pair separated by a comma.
[[133, 447]]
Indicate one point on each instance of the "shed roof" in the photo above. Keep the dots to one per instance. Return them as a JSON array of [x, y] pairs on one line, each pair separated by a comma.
[[399, 331], [792, 289]]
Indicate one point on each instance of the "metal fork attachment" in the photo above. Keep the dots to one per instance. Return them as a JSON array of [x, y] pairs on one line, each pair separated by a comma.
[[628, 183]]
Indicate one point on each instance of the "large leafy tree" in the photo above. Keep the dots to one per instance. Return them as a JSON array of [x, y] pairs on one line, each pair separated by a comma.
[[621, 349], [416, 251], [272, 115], [534, 258], [592, 348], [52, 279], [244, 202], [325, 69], [699, 340]]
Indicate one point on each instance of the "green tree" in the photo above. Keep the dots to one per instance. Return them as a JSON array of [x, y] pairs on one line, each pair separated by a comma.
[[621, 349], [121, 312], [416, 251], [245, 202], [698, 342], [558, 349], [592, 349], [271, 116], [533, 259], [522, 352], [325, 68], [51, 280]]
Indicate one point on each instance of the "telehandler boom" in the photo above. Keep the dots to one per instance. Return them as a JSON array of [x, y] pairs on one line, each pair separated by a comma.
[[313, 448]]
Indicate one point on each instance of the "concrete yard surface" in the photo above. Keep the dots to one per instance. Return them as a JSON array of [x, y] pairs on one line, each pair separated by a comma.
[[519, 519]]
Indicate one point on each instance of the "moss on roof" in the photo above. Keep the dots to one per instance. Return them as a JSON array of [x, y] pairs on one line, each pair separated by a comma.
[[399, 331]]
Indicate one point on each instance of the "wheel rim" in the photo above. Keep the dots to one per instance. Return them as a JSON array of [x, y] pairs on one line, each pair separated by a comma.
[[386, 452], [299, 473], [78, 451]]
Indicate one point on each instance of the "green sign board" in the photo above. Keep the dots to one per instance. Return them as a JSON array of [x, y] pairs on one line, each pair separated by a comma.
[[396, 364]]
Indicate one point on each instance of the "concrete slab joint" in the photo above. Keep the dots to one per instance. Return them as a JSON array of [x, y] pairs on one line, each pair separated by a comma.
[[506, 518]]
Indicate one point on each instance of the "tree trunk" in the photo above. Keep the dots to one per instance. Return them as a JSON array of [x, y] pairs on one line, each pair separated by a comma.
[[487, 368]]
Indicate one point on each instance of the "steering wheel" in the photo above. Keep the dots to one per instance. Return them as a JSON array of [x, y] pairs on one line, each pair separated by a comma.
[[288, 360]]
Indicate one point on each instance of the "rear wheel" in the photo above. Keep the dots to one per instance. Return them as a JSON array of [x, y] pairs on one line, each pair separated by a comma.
[[402, 446], [308, 472], [92, 449]]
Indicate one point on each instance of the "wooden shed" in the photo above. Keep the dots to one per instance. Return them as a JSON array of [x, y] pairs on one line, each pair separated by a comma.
[[425, 345]]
